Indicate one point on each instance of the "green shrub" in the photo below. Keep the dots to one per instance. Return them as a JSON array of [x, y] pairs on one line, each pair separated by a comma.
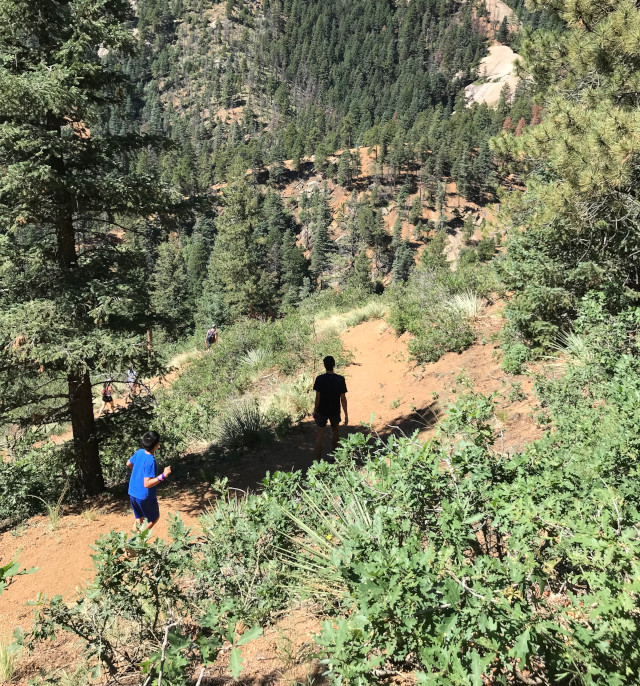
[[446, 331], [447, 560], [515, 356], [42, 471]]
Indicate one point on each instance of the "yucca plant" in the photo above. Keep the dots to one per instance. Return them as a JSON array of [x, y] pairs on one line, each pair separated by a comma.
[[315, 559], [257, 357], [574, 346], [243, 425]]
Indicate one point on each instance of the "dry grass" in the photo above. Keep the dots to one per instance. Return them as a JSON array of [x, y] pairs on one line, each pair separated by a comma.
[[8, 662]]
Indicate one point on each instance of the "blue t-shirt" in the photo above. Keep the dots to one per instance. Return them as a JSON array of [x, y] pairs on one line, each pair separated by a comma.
[[144, 464]]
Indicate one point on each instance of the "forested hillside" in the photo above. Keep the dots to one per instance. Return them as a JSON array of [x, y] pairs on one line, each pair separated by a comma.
[[287, 169]]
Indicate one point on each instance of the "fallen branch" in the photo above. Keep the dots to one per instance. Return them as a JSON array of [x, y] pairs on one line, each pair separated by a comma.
[[165, 643]]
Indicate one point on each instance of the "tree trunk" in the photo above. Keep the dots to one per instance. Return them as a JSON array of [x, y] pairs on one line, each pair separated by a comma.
[[85, 441]]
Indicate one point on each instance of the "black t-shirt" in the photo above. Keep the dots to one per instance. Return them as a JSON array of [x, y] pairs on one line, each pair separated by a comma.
[[331, 387]]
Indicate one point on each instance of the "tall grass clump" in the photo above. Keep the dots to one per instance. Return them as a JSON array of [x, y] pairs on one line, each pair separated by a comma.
[[8, 661], [371, 311], [54, 509], [575, 346], [243, 425], [467, 303]]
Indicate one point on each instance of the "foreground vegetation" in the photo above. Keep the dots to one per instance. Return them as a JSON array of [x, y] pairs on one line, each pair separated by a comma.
[[449, 560]]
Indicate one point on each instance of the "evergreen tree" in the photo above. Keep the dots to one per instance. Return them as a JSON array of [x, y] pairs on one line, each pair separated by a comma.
[[321, 219], [320, 254], [76, 297], [403, 262], [582, 167], [170, 289], [295, 269], [396, 239], [502, 36], [344, 169], [415, 214], [196, 256], [235, 285], [360, 276], [433, 256]]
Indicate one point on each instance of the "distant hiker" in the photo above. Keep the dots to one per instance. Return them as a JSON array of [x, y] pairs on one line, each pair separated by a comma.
[[132, 382], [144, 482], [331, 390], [107, 397], [211, 337]]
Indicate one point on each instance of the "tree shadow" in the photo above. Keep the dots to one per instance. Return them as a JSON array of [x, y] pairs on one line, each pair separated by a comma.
[[313, 676], [194, 474], [419, 419]]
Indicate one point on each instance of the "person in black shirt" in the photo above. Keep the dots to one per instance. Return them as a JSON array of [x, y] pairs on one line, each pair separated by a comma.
[[331, 390]]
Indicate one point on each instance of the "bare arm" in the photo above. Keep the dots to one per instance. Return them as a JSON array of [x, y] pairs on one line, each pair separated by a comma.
[[343, 400], [129, 464], [317, 405], [150, 482]]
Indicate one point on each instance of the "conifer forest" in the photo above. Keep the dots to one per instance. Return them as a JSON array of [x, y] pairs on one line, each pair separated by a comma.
[[201, 201]]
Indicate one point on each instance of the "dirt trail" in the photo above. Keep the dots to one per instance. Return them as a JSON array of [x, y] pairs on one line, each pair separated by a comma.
[[385, 389]]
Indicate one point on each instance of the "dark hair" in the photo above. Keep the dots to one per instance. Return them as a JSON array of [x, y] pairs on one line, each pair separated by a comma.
[[150, 440], [329, 363]]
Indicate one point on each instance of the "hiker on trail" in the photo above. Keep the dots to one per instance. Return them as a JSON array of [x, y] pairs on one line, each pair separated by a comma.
[[107, 397], [144, 482], [132, 382], [331, 390], [211, 337]]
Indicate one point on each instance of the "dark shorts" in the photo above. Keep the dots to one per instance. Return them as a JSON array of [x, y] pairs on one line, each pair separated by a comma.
[[321, 420], [145, 509], [107, 398]]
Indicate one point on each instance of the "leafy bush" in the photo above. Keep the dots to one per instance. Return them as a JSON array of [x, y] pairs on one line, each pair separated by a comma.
[[516, 354], [436, 307], [137, 616], [446, 331], [34, 471]]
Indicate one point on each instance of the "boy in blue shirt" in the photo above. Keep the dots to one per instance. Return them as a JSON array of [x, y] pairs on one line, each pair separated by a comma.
[[144, 482]]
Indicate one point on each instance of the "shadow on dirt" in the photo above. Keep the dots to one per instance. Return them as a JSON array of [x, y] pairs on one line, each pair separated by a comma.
[[194, 477]]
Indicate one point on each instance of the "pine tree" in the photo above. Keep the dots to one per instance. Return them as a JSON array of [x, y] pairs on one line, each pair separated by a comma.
[[360, 275], [170, 289], [415, 214], [403, 262], [502, 36], [81, 305], [581, 233], [320, 254], [321, 219], [344, 169], [396, 239], [295, 269], [234, 287], [433, 256], [196, 255]]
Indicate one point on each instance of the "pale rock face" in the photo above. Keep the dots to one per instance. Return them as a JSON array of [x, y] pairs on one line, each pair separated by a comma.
[[496, 69]]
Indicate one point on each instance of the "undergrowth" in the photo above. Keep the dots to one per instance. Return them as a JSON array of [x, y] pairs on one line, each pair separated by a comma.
[[447, 560]]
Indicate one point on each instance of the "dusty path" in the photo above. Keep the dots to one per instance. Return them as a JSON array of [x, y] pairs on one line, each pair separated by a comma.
[[385, 389]]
